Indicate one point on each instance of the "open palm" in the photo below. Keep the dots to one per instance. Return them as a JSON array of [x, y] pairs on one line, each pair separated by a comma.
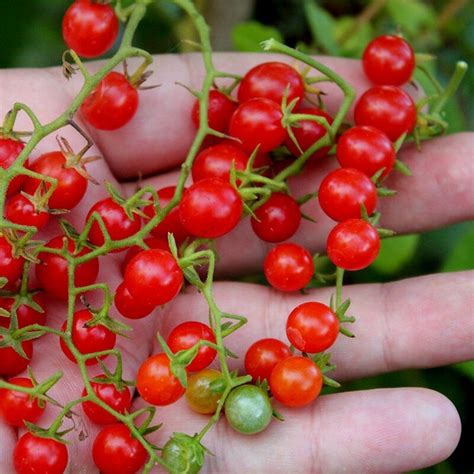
[[423, 322]]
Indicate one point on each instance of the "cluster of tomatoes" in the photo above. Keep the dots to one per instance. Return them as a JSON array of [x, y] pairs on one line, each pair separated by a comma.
[[255, 126]]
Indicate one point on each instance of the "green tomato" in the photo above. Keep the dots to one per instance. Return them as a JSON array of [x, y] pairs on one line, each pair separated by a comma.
[[183, 454], [248, 409]]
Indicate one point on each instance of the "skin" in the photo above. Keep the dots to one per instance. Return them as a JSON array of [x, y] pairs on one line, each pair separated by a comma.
[[420, 322]]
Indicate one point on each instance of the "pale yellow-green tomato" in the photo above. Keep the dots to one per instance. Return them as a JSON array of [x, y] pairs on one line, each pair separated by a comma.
[[199, 395]]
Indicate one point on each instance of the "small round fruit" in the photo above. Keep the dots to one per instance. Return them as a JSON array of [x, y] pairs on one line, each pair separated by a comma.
[[128, 306], [9, 151], [199, 395], [248, 409], [26, 315], [184, 453], [12, 363], [21, 210], [11, 267], [219, 111], [151, 242]]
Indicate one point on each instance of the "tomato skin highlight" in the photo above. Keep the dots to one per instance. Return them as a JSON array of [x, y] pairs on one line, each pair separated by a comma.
[[296, 381], [9, 151], [198, 394], [219, 111], [312, 327]]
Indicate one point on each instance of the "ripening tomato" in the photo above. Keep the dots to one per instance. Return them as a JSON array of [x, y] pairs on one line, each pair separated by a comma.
[[156, 383], [10, 267], [12, 363], [219, 111], [21, 210], [128, 306], [199, 394], [27, 313], [9, 151]]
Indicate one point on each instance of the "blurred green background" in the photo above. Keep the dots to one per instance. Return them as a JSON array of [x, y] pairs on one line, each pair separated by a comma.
[[30, 36]]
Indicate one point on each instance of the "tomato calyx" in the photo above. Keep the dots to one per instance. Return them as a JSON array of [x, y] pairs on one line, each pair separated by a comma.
[[101, 317], [323, 361], [184, 453]]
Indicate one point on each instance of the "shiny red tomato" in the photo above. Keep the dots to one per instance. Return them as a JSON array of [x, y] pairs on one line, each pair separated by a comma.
[[288, 267], [10, 267], [187, 335], [128, 306], [26, 314], [112, 104], [88, 340], [312, 327], [262, 356], [155, 382], [353, 244], [12, 363], [219, 111], [151, 242], [52, 272], [21, 210], [9, 151]]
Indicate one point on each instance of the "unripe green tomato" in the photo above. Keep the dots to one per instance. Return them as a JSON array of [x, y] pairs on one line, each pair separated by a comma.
[[248, 409], [183, 454]]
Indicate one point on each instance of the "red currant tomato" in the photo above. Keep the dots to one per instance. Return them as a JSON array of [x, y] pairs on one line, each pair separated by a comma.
[[18, 407], [88, 339], [153, 277], [128, 306], [388, 60], [353, 244], [263, 355], [312, 327], [343, 192], [210, 208], [71, 185], [272, 80], [10, 266], [90, 28], [33, 455], [155, 382], [388, 108], [9, 151], [288, 267], [112, 104], [116, 221], [21, 210], [366, 149], [199, 394], [115, 450], [187, 335], [151, 242], [257, 122], [119, 400], [52, 271], [172, 222], [26, 314], [12, 363], [219, 111], [216, 162], [278, 219], [296, 381], [308, 132]]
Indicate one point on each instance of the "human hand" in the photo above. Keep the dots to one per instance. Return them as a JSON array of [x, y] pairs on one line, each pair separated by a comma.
[[421, 322]]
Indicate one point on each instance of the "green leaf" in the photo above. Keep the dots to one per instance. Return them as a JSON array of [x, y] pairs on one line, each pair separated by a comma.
[[411, 16], [248, 35], [353, 40], [322, 26], [461, 256], [466, 368], [394, 253]]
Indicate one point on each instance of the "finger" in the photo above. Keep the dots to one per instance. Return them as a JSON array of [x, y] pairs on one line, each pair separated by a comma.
[[7, 444], [420, 322], [367, 431]]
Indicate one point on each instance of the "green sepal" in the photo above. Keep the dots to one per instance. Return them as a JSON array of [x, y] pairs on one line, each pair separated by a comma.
[[277, 415], [402, 168]]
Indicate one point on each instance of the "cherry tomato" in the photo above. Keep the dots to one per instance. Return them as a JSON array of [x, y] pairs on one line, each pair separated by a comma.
[[88, 340], [52, 272], [186, 335], [308, 132], [112, 104], [219, 111], [257, 122], [119, 400], [10, 267], [184, 453], [153, 277], [248, 409], [172, 222], [216, 162], [271, 81], [116, 221], [151, 242], [263, 355], [312, 327], [21, 210], [155, 382], [199, 394], [18, 407], [26, 314], [343, 192], [388, 108], [278, 219], [288, 267], [12, 363], [388, 60], [71, 185], [366, 149], [34, 455], [128, 306], [9, 151], [115, 450], [296, 381], [90, 28], [353, 244], [210, 208]]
